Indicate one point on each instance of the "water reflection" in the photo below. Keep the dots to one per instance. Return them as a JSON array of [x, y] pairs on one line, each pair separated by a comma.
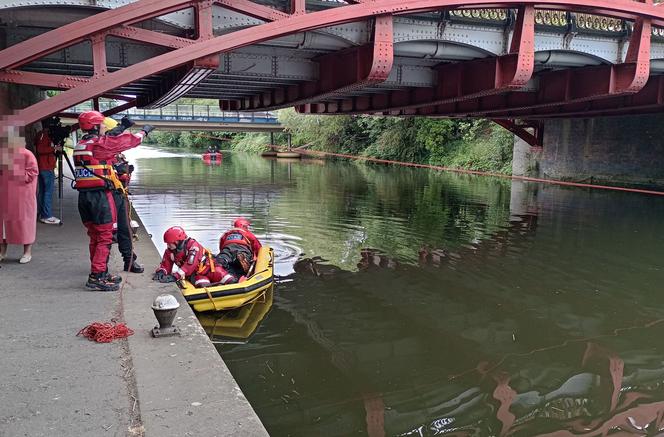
[[237, 325], [419, 303]]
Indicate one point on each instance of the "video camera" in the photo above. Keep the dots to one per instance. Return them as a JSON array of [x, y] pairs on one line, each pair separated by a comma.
[[57, 131]]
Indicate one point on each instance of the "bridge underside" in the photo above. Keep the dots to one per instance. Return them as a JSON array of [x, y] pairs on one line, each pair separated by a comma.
[[501, 60]]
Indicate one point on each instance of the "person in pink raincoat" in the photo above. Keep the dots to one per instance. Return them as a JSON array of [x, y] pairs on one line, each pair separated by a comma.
[[18, 201]]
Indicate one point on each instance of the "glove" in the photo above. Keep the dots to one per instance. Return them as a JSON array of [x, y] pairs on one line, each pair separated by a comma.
[[168, 278], [147, 128], [126, 122], [158, 275], [117, 130], [163, 277]]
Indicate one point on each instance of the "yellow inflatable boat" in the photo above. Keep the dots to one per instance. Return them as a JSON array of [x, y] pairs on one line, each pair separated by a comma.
[[236, 326], [226, 297]]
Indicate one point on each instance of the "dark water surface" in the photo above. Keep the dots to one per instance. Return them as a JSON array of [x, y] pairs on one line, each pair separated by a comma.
[[413, 302]]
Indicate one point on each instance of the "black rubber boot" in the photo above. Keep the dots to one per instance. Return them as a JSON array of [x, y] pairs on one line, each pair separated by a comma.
[[132, 266], [98, 282]]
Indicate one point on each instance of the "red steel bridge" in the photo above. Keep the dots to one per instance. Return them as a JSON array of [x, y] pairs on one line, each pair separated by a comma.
[[500, 59]]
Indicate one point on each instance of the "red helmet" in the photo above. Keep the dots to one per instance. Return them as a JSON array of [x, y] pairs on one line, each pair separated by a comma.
[[89, 119], [174, 234], [241, 223]]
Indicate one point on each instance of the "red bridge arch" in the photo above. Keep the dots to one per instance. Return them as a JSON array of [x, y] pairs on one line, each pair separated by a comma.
[[480, 88]]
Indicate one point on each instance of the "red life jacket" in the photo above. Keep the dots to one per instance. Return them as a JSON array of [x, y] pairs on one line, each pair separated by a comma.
[[234, 236], [193, 258], [91, 173]]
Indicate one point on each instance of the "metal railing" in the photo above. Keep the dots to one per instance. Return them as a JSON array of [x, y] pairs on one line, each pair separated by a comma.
[[180, 112]]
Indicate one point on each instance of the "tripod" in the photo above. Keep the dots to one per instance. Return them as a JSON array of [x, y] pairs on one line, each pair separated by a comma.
[[59, 155]]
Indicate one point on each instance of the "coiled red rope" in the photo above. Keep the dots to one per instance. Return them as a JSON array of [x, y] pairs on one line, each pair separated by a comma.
[[105, 332]]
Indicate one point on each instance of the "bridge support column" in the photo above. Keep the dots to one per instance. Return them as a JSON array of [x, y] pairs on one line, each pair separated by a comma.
[[525, 158], [618, 150]]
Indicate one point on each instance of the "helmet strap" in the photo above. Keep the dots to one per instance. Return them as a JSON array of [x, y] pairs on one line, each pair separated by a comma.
[[180, 245]]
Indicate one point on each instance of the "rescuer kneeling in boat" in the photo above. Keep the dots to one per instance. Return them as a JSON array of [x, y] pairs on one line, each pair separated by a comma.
[[238, 247], [96, 181], [186, 258]]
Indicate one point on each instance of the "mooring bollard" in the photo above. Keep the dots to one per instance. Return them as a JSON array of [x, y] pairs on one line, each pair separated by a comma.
[[165, 306]]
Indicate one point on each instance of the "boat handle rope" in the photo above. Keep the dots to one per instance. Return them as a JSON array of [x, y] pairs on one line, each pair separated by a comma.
[[214, 305]]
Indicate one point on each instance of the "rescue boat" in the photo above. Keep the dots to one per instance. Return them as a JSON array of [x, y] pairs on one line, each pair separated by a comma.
[[226, 297], [212, 156]]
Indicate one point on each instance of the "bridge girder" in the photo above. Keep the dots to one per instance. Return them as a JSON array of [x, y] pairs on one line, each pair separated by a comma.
[[279, 24]]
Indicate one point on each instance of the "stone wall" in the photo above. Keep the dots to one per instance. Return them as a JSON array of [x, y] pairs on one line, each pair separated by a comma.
[[625, 150]]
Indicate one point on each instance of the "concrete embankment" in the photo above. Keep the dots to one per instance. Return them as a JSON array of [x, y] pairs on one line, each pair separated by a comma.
[[54, 383]]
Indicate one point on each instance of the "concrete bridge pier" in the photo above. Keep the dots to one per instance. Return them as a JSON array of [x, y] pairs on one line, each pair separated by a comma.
[[624, 150]]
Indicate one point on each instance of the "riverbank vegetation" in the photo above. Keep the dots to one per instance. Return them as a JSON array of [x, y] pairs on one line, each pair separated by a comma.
[[468, 144]]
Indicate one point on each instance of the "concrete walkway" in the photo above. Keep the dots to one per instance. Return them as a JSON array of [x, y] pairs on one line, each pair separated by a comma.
[[54, 383]]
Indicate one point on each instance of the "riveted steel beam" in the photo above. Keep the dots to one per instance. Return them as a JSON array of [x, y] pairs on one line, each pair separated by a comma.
[[54, 81], [458, 81], [271, 30], [34, 48], [565, 87], [252, 9], [339, 73], [649, 99], [150, 37], [531, 132]]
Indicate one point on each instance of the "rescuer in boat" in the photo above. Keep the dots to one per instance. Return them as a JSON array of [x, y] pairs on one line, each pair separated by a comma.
[[186, 258], [95, 180], [238, 247]]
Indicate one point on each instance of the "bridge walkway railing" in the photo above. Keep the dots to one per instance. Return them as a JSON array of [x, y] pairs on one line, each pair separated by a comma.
[[186, 112]]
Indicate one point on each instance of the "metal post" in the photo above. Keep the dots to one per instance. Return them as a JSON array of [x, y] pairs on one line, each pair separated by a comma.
[[289, 141], [271, 138], [176, 112]]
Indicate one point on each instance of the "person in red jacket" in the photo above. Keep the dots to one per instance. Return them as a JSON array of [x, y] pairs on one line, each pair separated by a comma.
[[238, 247], [95, 180], [45, 152], [186, 258]]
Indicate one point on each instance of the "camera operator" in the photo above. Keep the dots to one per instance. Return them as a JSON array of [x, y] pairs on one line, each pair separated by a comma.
[[46, 149]]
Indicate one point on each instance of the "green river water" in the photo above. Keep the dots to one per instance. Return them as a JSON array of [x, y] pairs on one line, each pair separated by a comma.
[[420, 303]]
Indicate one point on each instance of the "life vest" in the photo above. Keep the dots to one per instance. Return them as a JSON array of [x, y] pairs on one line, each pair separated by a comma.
[[91, 173], [234, 236], [192, 253]]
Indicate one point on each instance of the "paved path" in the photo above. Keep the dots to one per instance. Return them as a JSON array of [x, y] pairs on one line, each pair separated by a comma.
[[53, 383]]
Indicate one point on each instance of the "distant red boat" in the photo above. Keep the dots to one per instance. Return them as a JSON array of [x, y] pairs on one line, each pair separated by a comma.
[[214, 157]]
